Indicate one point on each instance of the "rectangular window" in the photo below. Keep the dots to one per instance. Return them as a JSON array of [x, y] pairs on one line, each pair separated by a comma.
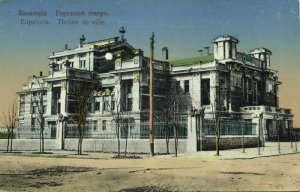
[[106, 104], [97, 106], [95, 125], [186, 86], [34, 110], [22, 109], [52, 127], [32, 124], [129, 104], [205, 91], [82, 55], [103, 125], [82, 64], [113, 104]]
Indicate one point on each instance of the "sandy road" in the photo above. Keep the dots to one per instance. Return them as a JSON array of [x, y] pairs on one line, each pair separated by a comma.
[[189, 172]]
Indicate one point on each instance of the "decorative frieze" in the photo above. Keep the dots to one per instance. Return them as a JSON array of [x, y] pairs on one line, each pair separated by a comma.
[[136, 77], [118, 79]]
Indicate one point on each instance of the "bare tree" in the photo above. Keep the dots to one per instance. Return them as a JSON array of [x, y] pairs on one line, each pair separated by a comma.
[[164, 118], [216, 117], [39, 115], [119, 114], [9, 120], [82, 93], [181, 102], [38, 109], [127, 123], [277, 127]]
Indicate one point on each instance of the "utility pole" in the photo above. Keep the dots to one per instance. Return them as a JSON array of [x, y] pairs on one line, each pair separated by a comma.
[[151, 132]]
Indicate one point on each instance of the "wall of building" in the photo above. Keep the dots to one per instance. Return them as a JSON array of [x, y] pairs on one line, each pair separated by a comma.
[[30, 144], [104, 145], [229, 142], [134, 145]]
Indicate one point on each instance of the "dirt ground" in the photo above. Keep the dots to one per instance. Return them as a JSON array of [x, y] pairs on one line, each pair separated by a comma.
[[64, 171]]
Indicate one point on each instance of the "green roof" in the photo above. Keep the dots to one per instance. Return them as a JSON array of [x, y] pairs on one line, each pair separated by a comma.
[[195, 60]]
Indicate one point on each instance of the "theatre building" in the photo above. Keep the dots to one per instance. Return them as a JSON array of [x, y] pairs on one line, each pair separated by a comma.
[[238, 91]]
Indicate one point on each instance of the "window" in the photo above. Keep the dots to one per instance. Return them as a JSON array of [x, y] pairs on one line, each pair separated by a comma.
[[205, 91], [52, 126], [103, 125], [129, 104], [34, 110], [22, 109], [95, 125], [106, 104], [82, 64], [186, 86], [113, 104], [45, 109], [32, 124], [82, 55], [97, 106]]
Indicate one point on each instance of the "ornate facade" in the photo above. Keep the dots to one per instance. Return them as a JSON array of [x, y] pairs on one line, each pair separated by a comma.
[[229, 83]]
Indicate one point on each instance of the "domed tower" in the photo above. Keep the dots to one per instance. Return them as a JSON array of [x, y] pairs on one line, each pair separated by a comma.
[[262, 54], [225, 47]]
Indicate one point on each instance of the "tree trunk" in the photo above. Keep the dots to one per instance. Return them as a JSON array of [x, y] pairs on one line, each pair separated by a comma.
[[8, 137], [126, 136], [80, 138], [243, 139], [80, 144], [78, 147], [118, 137], [167, 137], [11, 139], [175, 139], [218, 136], [125, 146], [43, 141], [40, 140]]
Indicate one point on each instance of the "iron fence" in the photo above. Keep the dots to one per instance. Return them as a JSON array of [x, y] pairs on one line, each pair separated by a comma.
[[229, 127], [129, 130], [31, 132]]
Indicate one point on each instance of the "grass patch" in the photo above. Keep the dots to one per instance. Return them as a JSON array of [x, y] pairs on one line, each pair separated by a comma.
[[195, 60], [5, 136]]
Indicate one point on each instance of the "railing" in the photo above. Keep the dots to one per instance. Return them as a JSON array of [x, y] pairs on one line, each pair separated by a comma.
[[72, 72], [33, 132], [249, 59], [229, 127], [132, 130], [266, 109]]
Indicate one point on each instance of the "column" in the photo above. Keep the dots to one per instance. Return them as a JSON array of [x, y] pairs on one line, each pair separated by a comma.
[[63, 98], [191, 145], [49, 99], [227, 47], [136, 91]]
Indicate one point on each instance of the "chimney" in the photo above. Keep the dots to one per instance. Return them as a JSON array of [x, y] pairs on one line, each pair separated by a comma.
[[207, 50], [66, 46], [165, 53], [41, 73]]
